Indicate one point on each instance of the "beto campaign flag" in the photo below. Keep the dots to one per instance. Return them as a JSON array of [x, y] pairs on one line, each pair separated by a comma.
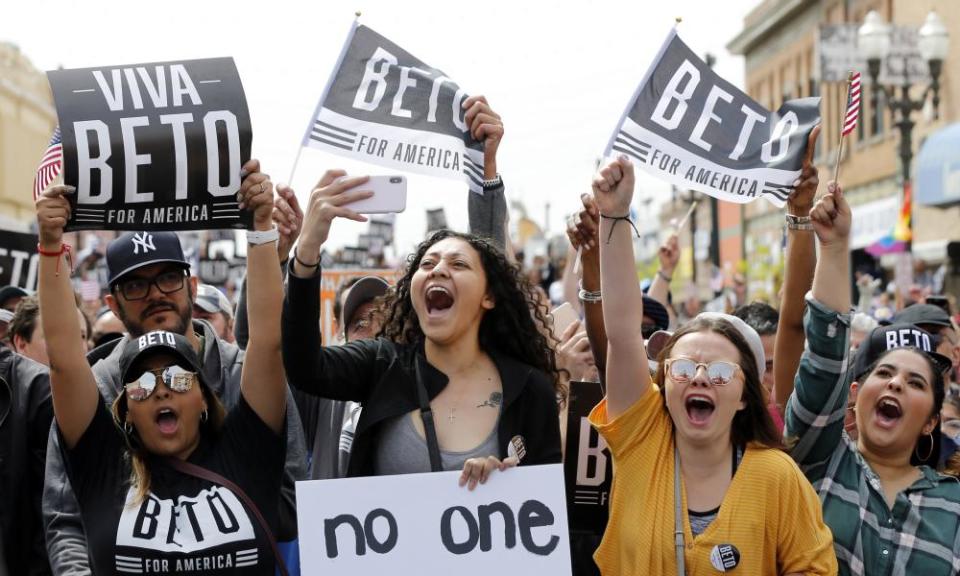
[[588, 467], [384, 106], [694, 129], [154, 146], [18, 259]]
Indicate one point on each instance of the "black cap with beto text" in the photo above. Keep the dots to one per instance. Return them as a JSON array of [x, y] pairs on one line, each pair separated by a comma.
[[159, 342], [884, 338]]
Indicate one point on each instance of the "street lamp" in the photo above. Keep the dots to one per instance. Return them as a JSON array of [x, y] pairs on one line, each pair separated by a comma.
[[873, 42]]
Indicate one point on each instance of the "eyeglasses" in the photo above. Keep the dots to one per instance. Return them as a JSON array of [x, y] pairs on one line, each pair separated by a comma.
[[138, 288], [174, 377], [720, 372]]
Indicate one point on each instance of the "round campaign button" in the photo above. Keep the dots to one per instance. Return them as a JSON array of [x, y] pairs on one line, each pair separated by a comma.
[[517, 447], [725, 557]]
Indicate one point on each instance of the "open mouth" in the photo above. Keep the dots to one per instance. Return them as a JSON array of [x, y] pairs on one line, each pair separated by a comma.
[[699, 409], [167, 421], [889, 411], [438, 299]]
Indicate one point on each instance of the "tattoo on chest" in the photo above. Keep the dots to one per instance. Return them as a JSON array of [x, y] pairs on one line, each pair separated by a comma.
[[494, 401]]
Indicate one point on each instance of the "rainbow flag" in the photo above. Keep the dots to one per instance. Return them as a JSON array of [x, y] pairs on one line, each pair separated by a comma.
[[899, 240]]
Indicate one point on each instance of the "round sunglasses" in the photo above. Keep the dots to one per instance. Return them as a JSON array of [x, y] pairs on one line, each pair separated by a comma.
[[720, 372], [173, 377]]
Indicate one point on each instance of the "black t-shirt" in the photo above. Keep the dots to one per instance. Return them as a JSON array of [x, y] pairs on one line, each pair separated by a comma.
[[186, 525]]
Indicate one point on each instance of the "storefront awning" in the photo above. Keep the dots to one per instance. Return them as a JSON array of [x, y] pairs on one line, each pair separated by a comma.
[[938, 168]]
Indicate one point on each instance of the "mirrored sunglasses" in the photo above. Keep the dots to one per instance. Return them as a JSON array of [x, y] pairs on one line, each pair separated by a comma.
[[720, 373], [174, 377]]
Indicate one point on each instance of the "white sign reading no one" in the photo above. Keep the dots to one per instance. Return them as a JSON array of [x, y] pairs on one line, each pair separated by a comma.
[[516, 523]]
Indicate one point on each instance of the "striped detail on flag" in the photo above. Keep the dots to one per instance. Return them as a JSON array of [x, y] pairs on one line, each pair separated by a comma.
[[50, 165], [853, 103]]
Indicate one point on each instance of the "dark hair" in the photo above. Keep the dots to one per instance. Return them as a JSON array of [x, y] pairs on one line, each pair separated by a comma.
[[517, 325], [760, 316], [751, 424], [939, 389], [24, 320]]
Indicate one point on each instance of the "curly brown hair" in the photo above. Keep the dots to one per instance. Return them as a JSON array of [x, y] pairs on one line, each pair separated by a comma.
[[517, 326]]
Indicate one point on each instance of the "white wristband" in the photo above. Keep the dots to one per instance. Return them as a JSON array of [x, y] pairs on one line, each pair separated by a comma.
[[255, 238]]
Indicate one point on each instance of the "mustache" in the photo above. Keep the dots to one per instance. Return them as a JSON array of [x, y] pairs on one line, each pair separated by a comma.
[[158, 307]]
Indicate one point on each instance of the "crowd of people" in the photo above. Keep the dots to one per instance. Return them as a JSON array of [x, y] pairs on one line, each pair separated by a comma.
[[811, 438]]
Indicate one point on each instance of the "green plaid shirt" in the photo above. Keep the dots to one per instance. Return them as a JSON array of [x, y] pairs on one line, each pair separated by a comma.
[[920, 536]]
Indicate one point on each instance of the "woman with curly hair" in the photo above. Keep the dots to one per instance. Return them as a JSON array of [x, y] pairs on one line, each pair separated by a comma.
[[462, 376]]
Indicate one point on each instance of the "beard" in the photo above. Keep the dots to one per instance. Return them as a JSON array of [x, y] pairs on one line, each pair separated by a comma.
[[182, 318]]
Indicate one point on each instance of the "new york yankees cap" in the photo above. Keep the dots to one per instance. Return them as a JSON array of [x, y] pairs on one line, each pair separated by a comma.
[[132, 250]]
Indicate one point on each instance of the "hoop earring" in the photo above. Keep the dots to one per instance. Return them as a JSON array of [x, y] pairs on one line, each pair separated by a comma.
[[929, 452], [204, 416], [128, 428]]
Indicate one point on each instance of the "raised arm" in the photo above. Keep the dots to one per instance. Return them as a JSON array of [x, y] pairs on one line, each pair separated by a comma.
[[584, 233], [831, 222], [669, 255], [797, 279], [487, 212], [262, 382], [72, 385], [628, 376]]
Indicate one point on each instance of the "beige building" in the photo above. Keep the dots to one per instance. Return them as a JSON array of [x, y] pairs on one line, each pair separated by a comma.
[[778, 42], [27, 121]]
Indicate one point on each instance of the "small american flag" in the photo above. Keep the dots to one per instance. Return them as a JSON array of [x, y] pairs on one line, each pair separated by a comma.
[[50, 165], [853, 103]]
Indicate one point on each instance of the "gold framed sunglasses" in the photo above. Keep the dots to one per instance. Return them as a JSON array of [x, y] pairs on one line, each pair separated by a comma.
[[173, 377], [720, 372]]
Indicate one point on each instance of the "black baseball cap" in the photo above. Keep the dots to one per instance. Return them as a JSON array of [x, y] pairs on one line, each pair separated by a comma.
[[363, 291], [8, 292], [656, 312], [132, 250], [899, 335], [923, 315], [156, 342]]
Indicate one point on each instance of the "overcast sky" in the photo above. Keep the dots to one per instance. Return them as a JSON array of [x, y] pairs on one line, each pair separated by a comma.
[[560, 74]]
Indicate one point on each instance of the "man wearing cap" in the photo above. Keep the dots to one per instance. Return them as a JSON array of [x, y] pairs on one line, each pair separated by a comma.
[[213, 306], [151, 289], [936, 321], [332, 423], [10, 296]]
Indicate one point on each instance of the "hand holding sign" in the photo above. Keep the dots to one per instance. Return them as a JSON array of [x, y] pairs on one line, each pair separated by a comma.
[[831, 218], [801, 200], [53, 213], [326, 203], [478, 469], [256, 195], [487, 127], [613, 187]]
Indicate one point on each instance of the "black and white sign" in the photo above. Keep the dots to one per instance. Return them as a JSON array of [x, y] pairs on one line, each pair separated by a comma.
[[385, 106], [587, 467], [18, 259], [428, 524], [692, 128], [154, 146]]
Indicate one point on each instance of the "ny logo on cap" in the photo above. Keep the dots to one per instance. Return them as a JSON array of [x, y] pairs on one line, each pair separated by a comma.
[[143, 240]]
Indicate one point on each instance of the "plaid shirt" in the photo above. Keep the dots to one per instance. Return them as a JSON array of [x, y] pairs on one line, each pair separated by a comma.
[[921, 534]]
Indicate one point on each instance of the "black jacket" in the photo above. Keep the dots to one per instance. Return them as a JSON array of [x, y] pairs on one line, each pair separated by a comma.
[[380, 375], [26, 412]]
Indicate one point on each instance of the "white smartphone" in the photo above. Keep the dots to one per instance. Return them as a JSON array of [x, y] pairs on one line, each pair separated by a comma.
[[563, 316], [389, 195]]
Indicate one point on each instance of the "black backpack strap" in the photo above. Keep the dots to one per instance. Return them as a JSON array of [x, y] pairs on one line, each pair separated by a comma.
[[426, 414], [211, 476]]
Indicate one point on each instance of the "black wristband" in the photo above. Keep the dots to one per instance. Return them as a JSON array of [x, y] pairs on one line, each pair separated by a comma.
[[304, 264]]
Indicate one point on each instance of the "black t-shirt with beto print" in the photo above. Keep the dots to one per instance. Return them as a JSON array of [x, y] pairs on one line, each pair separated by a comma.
[[186, 525]]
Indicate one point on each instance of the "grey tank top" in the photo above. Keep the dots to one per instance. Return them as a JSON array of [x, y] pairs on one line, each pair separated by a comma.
[[401, 450]]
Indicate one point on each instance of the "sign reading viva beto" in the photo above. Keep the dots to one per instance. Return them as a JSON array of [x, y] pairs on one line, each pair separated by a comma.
[[692, 128], [384, 106], [154, 146]]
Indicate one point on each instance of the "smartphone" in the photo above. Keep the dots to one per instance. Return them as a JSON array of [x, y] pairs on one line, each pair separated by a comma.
[[563, 316], [389, 195]]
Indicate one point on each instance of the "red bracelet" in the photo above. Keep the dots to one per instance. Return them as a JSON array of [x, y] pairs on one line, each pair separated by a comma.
[[64, 249]]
